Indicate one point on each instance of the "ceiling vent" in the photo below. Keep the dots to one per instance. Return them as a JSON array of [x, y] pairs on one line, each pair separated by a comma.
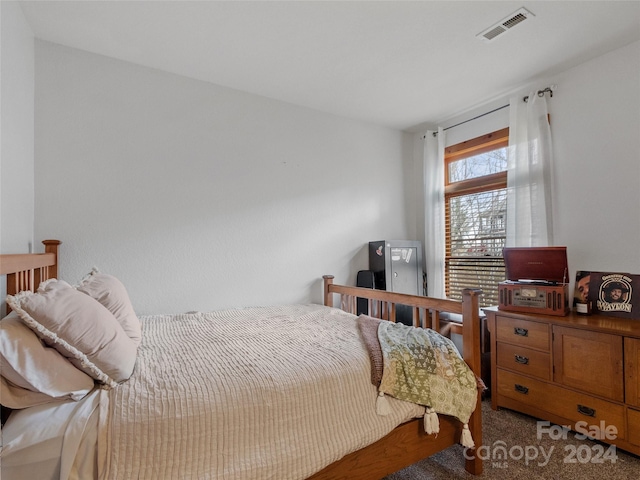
[[505, 25]]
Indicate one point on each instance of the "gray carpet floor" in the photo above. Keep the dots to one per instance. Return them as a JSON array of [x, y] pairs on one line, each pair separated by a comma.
[[527, 457]]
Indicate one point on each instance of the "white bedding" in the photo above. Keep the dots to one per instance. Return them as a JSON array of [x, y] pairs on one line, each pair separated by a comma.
[[268, 393], [54, 441], [245, 394]]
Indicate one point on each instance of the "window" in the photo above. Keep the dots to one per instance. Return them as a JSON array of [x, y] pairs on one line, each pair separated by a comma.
[[476, 215]]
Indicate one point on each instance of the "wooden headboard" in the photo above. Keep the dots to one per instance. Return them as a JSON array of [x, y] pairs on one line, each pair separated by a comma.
[[25, 271]]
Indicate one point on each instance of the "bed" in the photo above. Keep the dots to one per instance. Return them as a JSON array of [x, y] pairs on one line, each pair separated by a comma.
[[307, 411]]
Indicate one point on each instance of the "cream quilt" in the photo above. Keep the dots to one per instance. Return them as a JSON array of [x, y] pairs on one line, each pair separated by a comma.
[[246, 394]]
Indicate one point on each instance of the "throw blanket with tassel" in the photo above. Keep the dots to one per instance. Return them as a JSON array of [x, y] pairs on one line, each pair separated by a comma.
[[420, 366]]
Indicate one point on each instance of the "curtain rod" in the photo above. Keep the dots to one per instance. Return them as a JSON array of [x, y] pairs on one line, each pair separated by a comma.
[[526, 99], [476, 117], [435, 134]]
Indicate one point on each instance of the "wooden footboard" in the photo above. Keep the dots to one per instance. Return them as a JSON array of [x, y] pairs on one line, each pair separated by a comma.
[[409, 443]]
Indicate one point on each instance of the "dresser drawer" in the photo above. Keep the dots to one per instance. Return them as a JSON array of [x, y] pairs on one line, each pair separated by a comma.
[[524, 360], [522, 332], [633, 419], [573, 406]]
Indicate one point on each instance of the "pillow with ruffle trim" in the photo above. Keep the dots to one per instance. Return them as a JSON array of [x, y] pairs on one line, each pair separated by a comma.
[[112, 294], [78, 327]]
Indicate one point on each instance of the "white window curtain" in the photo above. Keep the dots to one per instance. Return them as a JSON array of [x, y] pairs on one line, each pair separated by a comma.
[[434, 234], [529, 174]]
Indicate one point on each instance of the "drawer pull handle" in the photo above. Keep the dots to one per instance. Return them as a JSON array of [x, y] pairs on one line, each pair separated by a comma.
[[589, 412], [523, 332], [521, 389], [522, 360]]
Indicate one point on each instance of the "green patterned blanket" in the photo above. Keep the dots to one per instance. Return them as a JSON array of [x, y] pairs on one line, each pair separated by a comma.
[[421, 366]]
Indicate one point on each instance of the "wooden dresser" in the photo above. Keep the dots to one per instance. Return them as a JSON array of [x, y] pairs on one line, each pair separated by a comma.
[[578, 371]]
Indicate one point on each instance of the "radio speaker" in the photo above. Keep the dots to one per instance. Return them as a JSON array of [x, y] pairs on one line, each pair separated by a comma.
[[527, 298]]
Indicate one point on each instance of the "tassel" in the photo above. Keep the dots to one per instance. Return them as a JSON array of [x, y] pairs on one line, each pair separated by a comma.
[[466, 439], [427, 423], [382, 405], [431, 422]]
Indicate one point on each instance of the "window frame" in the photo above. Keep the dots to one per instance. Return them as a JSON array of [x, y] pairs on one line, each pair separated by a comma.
[[475, 146]]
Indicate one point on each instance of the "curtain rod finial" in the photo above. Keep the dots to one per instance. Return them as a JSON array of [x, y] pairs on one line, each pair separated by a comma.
[[541, 93]]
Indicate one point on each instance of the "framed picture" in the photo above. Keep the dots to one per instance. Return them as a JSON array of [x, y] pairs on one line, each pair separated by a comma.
[[613, 294]]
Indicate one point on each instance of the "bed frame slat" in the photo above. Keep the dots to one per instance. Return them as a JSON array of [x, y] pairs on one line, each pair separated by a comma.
[[25, 271]]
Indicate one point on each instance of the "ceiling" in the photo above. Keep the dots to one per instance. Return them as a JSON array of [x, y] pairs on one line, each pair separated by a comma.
[[401, 64]]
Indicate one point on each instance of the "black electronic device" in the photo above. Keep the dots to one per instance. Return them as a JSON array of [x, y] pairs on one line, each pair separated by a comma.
[[364, 279]]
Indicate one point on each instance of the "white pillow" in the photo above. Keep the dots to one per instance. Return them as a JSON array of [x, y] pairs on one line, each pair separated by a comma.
[[80, 328], [112, 294], [32, 373]]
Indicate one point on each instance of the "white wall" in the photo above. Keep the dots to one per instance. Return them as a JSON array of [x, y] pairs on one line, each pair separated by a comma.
[[595, 119], [595, 123], [16, 134], [255, 193], [201, 197], [16, 130]]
